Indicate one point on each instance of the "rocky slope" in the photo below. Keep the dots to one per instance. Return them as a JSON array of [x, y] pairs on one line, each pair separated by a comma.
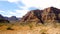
[[50, 14]]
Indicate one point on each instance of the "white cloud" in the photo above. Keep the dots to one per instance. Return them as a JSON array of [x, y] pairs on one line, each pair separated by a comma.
[[34, 3], [21, 12], [38, 3], [13, 0], [1, 11], [4, 13], [12, 13], [7, 15], [17, 13], [41, 3]]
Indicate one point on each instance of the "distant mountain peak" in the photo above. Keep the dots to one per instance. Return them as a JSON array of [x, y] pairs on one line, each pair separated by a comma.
[[3, 20]]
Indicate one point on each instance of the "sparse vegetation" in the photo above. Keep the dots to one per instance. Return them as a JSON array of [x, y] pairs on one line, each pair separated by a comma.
[[9, 28], [43, 33], [1, 24], [34, 27]]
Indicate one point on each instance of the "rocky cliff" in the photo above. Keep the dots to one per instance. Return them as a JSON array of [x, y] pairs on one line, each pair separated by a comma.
[[50, 14]]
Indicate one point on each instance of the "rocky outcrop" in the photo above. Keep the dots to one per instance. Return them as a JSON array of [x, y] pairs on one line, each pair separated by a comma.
[[32, 16], [50, 14]]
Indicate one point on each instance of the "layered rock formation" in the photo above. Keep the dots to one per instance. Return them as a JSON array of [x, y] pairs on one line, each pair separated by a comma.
[[50, 14]]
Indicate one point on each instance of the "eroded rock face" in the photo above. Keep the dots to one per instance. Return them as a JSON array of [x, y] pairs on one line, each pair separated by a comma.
[[50, 14], [31, 16]]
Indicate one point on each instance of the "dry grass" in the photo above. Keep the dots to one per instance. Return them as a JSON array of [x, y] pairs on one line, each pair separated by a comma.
[[31, 28]]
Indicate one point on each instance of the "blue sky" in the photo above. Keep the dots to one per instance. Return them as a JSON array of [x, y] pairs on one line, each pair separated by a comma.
[[19, 8]]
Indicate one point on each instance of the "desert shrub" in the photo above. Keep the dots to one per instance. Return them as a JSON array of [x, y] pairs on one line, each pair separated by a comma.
[[9, 28], [29, 24], [1, 24], [22, 24], [43, 33], [39, 24], [56, 25]]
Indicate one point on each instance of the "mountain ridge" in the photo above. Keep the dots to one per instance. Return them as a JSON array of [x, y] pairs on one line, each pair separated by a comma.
[[48, 14], [8, 19]]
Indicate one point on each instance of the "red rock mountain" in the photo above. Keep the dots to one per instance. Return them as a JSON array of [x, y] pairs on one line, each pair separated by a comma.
[[50, 14]]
